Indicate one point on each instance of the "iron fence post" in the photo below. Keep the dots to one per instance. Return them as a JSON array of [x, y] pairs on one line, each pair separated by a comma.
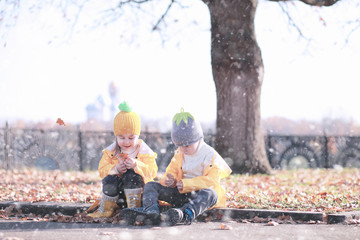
[[81, 166], [269, 150], [326, 151], [6, 146]]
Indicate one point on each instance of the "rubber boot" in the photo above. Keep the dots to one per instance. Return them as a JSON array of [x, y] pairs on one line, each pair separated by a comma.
[[174, 216], [147, 215], [133, 197], [105, 210]]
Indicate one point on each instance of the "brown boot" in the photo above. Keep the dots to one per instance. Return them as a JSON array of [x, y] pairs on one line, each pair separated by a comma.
[[105, 210]]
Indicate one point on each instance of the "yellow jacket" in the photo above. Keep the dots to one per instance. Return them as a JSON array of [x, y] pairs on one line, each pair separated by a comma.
[[211, 177], [146, 164]]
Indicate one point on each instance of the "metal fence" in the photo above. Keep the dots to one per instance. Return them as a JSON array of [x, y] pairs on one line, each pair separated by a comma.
[[313, 151], [82, 150]]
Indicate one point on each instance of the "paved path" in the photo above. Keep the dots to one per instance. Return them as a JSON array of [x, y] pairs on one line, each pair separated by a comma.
[[199, 230], [12, 229]]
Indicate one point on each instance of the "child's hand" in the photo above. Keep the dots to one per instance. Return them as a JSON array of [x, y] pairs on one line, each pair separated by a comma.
[[170, 180], [180, 185], [130, 163], [121, 167]]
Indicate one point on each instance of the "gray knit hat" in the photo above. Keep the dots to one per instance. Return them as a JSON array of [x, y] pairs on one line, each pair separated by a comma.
[[185, 129]]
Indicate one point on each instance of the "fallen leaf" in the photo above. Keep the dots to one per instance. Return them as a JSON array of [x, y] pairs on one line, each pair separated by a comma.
[[122, 156], [257, 219], [60, 122], [271, 223], [138, 223], [155, 228], [353, 221], [225, 227], [244, 221], [208, 218], [9, 209], [12, 238]]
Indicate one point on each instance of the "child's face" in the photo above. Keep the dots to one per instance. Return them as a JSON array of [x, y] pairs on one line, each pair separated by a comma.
[[190, 149], [127, 141]]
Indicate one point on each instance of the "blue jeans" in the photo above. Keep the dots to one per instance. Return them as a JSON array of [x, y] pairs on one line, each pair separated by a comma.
[[198, 201]]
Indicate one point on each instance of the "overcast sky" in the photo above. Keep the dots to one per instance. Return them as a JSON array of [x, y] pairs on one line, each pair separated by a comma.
[[46, 77]]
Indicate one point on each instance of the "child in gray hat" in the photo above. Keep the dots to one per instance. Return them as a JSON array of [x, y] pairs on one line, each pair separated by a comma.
[[191, 184]]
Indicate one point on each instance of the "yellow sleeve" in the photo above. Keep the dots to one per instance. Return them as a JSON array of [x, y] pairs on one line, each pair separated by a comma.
[[210, 179], [106, 164], [146, 166], [173, 169]]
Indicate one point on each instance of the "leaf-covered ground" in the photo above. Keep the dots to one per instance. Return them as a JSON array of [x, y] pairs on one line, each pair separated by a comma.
[[319, 190]]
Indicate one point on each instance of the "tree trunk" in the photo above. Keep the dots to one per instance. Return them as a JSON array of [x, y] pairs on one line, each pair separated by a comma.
[[238, 73]]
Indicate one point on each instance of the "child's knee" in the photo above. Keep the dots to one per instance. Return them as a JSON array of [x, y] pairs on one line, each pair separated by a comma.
[[110, 179], [110, 185], [210, 195], [151, 185], [110, 190]]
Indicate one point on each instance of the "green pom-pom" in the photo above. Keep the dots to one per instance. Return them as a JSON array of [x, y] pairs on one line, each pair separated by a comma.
[[124, 107], [182, 116]]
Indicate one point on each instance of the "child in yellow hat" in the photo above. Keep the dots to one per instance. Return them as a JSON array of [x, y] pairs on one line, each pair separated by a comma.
[[126, 165]]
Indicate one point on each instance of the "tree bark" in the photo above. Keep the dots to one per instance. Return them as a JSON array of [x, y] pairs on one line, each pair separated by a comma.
[[238, 73]]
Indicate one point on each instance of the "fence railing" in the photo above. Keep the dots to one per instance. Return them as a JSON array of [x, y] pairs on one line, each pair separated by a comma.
[[82, 150], [313, 151]]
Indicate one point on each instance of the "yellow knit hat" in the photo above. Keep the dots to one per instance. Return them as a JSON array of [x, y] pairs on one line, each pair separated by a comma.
[[126, 121]]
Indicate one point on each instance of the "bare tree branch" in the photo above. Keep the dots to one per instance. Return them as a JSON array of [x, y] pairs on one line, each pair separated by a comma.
[[80, 8], [293, 24], [291, 20], [9, 11], [163, 15], [132, 1], [318, 3], [161, 19], [354, 29]]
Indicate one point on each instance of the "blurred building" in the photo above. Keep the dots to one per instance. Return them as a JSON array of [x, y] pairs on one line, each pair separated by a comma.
[[95, 110], [104, 108]]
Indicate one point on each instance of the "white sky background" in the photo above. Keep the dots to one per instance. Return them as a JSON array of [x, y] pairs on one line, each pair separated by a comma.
[[46, 77]]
